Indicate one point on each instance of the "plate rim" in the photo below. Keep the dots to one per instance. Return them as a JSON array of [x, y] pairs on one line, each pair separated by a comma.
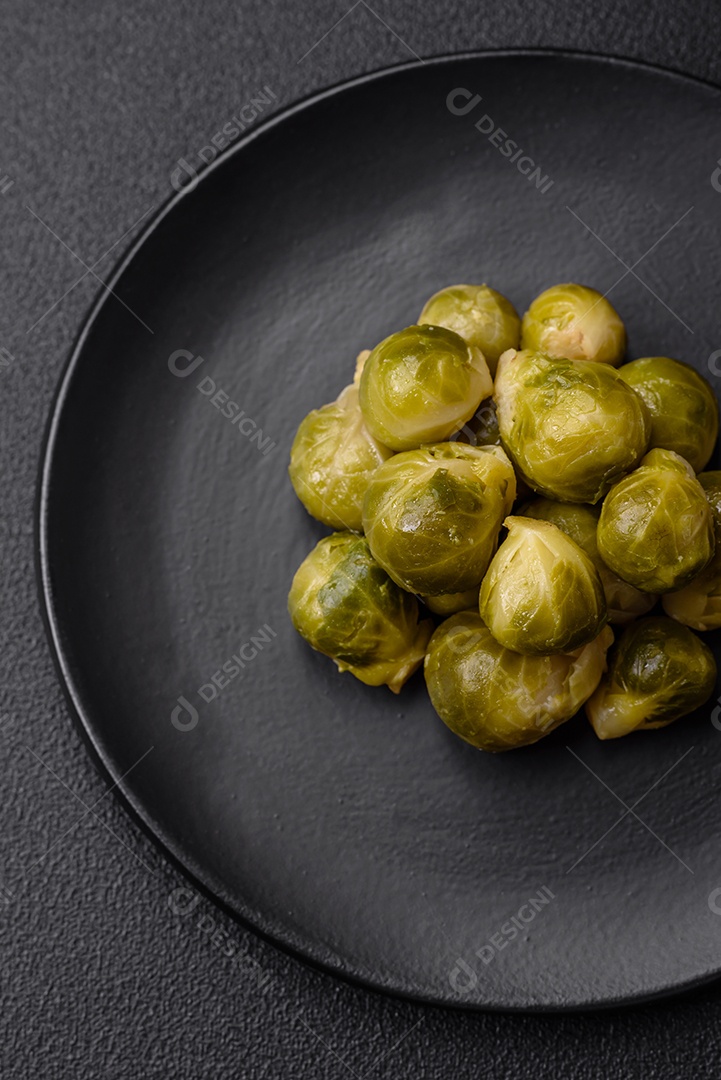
[[189, 869]]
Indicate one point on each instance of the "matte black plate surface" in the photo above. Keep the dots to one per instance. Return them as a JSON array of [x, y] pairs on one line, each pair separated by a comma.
[[345, 823]]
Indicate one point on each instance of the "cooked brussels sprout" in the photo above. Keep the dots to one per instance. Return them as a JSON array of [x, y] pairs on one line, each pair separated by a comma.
[[332, 460], [496, 699], [575, 322], [449, 603], [347, 607], [698, 604], [432, 516], [542, 594], [658, 671], [482, 428], [580, 522], [572, 428], [421, 385], [683, 407], [482, 317], [656, 527]]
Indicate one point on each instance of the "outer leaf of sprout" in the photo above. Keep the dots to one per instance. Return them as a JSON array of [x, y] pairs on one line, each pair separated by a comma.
[[656, 527], [683, 407], [332, 460], [483, 317], [496, 699], [658, 672], [347, 607], [542, 594], [421, 385], [572, 428], [575, 322], [432, 516]]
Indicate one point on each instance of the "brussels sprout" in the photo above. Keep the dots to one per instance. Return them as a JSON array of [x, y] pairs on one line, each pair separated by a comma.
[[421, 385], [682, 406], [432, 516], [623, 601], [575, 322], [347, 607], [332, 460], [496, 699], [483, 318], [698, 604], [656, 527], [450, 603], [572, 428], [542, 594], [482, 428], [658, 671]]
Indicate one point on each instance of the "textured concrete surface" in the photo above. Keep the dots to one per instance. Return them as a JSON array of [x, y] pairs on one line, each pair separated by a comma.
[[105, 971]]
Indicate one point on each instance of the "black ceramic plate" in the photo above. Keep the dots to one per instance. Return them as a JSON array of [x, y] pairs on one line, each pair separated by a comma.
[[345, 823]]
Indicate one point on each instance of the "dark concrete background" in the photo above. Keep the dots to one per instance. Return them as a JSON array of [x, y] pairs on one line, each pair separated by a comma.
[[105, 972]]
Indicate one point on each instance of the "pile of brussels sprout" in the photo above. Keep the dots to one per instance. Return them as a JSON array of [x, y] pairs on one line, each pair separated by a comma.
[[509, 478]]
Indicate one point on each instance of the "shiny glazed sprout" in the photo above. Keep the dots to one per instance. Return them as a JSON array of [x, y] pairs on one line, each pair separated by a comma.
[[542, 594], [421, 385], [698, 604], [432, 516], [658, 672], [572, 428], [496, 699], [347, 607], [483, 317], [575, 322], [682, 405], [580, 522], [656, 528], [332, 460]]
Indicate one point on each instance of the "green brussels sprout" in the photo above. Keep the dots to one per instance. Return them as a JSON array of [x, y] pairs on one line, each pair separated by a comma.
[[575, 322], [482, 428], [332, 460], [698, 604], [541, 594], [572, 428], [450, 603], [580, 522], [483, 318], [432, 516], [347, 607], [421, 385], [658, 671], [682, 406], [496, 699], [656, 528]]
